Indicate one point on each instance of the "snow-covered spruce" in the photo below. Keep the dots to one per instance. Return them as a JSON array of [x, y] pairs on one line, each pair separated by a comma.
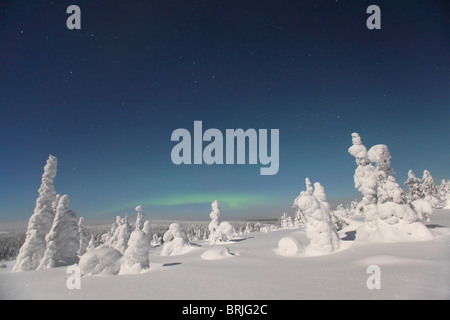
[[40, 223], [286, 221], [423, 209], [415, 191], [224, 232], [140, 219], [339, 217], [82, 235], [147, 228], [319, 227], [63, 241], [175, 241], [136, 256], [365, 181], [214, 215], [392, 218], [444, 193], [122, 233], [391, 203], [429, 189]]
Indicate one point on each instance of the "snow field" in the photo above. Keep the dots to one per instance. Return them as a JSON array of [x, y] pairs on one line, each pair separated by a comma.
[[253, 269]]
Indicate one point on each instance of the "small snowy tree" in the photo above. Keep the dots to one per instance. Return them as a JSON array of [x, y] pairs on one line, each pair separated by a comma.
[[415, 190], [319, 227], [429, 189], [224, 232], [140, 219], [339, 217], [63, 242], [110, 238], [82, 235], [175, 241], [136, 256], [123, 235], [284, 222], [444, 194], [214, 215], [40, 223], [92, 244], [156, 240], [147, 228]]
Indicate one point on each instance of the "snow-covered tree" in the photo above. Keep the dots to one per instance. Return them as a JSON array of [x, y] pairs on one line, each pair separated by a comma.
[[175, 241], [147, 228], [388, 190], [140, 219], [284, 222], [123, 235], [429, 189], [40, 223], [394, 218], [444, 194], [339, 217], [319, 227], [248, 228], [214, 215], [415, 190], [156, 240], [224, 232], [82, 235], [63, 242], [365, 181], [136, 256], [110, 237], [92, 244], [423, 209]]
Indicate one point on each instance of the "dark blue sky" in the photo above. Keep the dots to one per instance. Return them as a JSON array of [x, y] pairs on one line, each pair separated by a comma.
[[105, 99]]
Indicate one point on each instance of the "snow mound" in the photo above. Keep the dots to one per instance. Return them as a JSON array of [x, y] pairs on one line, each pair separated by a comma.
[[104, 261], [384, 260], [399, 232], [289, 246], [126, 269], [216, 253]]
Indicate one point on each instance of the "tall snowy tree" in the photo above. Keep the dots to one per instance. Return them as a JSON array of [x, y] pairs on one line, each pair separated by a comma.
[[140, 219], [365, 181], [123, 235], [392, 204], [82, 235], [40, 223], [63, 242], [415, 191], [214, 215], [319, 226]]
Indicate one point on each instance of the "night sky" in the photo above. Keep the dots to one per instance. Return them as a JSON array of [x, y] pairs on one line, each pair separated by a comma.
[[105, 99]]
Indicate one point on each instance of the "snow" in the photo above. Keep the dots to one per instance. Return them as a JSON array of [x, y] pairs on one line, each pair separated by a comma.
[[216, 253], [289, 246], [103, 260], [251, 268]]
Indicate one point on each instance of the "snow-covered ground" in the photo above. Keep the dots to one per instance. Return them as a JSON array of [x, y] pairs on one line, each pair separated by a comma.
[[251, 267]]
